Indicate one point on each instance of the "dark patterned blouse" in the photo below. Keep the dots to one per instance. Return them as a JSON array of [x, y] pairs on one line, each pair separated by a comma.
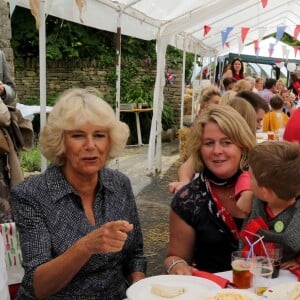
[[50, 217], [214, 240]]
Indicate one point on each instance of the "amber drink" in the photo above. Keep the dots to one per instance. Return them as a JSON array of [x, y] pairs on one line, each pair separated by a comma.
[[241, 275]]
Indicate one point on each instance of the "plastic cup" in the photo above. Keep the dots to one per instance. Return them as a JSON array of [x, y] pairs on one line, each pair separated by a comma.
[[274, 251], [262, 269], [241, 275]]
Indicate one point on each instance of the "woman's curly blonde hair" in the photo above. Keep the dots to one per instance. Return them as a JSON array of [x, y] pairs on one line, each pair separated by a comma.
[[75, 108]]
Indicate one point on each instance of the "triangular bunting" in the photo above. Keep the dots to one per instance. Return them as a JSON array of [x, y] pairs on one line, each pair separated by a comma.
[[296, 32], [225, 34], [206, 30], [296, 49], [35, 11], [280, 32], [271, 49], [227, 44], [244, 32], [12, 6], [264, 3], [80, 4], [256, 47], [285, 52], [240, 44]]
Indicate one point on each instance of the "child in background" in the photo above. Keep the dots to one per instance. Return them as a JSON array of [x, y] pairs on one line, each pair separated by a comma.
[[274, 177], [275, 119]]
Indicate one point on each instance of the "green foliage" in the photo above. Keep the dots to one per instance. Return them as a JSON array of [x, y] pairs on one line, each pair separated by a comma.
[[67, 40], [31, 160]]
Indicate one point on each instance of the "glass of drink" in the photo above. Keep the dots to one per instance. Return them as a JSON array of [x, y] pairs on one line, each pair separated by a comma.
[[274, 251], [262, 269], [241, 275]]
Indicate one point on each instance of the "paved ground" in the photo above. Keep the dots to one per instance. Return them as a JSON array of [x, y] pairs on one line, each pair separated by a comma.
[[152, 198]]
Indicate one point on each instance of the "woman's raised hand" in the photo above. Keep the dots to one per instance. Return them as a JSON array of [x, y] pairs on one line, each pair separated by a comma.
[[110, 237]]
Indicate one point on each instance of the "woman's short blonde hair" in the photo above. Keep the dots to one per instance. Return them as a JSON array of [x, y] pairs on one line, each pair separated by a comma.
[[75, 108], [231, 123]]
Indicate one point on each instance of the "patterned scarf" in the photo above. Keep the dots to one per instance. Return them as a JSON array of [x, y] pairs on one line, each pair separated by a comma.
[[216, 209]]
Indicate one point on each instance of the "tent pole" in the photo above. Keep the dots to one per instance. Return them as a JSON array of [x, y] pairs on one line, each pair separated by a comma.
[[42, 54], [183, 83], [118, 68], [154, 149]]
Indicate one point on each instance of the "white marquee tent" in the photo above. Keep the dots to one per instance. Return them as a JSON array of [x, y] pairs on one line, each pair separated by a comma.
[[208, 28]]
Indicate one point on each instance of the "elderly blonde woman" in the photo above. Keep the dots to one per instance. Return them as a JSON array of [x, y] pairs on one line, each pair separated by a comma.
[[204, 218], [79, 228]]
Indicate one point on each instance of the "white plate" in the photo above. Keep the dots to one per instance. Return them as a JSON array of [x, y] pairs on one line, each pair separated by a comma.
[[196, 287], [251, 295], [280, 292]]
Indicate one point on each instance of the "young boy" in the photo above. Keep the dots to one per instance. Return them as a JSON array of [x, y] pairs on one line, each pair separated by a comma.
[[275, 119], [275, 181]]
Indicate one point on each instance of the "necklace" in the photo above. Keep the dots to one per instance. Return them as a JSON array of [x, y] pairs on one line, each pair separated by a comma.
[[219, 181]]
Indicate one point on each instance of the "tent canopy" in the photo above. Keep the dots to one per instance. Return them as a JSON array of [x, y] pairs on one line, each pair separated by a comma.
[[182, 20]]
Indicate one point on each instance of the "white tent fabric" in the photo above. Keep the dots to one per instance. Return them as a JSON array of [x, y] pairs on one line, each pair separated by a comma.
[[178, 23]]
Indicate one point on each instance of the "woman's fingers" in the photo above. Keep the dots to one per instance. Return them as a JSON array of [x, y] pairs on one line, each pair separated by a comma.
[[110, 237]]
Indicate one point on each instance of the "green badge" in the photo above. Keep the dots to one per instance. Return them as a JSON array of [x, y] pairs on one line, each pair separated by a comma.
[[279, 226]]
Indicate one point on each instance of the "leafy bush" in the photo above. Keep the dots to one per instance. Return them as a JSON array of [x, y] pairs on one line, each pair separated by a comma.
[[31, 160]]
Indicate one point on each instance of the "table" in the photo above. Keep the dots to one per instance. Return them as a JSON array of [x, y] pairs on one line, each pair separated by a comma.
[[137, 112], [284, 277]]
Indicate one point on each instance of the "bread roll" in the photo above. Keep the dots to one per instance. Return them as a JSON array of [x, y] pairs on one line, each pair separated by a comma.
[[167, 291]]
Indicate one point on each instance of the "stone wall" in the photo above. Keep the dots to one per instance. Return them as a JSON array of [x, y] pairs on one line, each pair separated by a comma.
[[62, 75], [5, 35]]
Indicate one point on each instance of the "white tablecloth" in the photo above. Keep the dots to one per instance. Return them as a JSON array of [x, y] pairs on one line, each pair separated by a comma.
[[285, 276]]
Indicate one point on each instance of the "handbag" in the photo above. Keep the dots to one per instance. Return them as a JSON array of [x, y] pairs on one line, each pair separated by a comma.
[[4, 147], [21, 130]]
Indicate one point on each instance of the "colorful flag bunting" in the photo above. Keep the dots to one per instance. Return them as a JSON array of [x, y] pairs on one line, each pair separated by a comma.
[[206, 29], [264, 3], [244, 32], [271, 49], [296, 31], [256, 47], [285, 52], [12, 6], [225, 34], [280, 32], [296, 49]]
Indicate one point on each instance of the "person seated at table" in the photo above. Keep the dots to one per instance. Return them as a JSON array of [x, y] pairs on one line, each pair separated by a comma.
[[275, 211], [276, 119], [186, 171], [79, 227], [259, 104], [204, 219]]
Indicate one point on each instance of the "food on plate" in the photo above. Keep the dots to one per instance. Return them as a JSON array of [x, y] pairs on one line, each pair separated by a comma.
[[295, 294], [229, 296], [167, 291]]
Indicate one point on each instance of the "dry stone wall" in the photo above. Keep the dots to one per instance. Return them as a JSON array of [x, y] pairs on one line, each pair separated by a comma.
[[62, 75]]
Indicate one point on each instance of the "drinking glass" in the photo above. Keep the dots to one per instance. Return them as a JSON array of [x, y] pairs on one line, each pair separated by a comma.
[[274, 251], [262, 268], [241, 275]]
